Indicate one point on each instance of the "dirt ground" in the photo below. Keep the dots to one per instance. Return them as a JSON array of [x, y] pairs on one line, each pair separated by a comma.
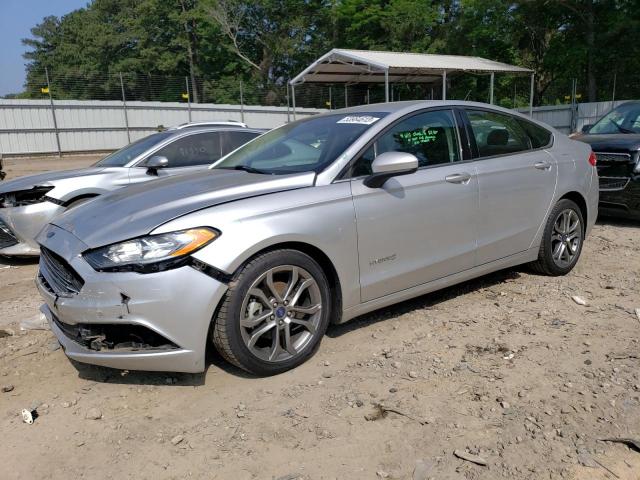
[[507, 368]]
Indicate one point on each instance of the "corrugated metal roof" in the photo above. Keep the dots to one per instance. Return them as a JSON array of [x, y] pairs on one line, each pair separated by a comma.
[[346, 66]]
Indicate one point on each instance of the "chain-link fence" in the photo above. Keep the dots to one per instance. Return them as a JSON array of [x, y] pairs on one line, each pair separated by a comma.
[[74, 111], [510, 91]]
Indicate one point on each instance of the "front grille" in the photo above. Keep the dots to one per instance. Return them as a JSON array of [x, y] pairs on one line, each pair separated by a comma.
[[7, 238], [57, 275], [613, 157], [608, 184]]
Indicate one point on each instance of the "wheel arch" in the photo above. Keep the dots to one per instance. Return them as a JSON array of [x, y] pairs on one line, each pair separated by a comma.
[[82, 196], [335, 286], [579, 200]]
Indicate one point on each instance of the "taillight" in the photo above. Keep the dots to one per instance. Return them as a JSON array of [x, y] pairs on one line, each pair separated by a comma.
[[592, 159]]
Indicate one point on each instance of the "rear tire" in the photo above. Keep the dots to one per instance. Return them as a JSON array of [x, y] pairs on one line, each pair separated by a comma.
[[562, 240], [274, 314]]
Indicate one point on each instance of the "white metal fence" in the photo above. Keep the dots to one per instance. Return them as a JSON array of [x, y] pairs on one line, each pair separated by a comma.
[[28, 126], [33, 127], [571, 118]]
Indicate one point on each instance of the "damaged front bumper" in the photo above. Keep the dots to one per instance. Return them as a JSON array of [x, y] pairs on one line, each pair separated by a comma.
[[19, 227], [158, 321]]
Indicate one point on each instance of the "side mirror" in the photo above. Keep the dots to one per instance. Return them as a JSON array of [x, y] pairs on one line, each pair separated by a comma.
[[156, 162], [390, 164], [586, 128]]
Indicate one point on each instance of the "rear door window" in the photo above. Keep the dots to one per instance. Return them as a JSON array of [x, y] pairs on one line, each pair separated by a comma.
[[192, 150], [233, 139], [539, 137], [497, 133]]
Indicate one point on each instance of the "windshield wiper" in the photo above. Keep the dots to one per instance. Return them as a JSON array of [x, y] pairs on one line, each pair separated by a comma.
[[621, 129], [245, 168]]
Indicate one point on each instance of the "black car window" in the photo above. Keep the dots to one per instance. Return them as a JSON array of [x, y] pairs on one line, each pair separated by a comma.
[[497, 133], [196, 149], [430, 136], [539, 137], [233, 139], [121, 157]]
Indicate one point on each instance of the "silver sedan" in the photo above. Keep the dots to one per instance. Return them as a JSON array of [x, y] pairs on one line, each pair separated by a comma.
[[314, 223], [28, 203]]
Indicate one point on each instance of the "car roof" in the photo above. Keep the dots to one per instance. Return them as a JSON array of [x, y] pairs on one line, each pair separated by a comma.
[[212, 123], [397, 109], [393, 107], [230, 128]]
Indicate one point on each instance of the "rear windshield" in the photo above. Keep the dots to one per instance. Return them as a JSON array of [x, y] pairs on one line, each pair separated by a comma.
[[121, 157], [307, 145]]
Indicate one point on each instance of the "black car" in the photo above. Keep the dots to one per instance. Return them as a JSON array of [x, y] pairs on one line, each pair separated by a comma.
[[615, 139]]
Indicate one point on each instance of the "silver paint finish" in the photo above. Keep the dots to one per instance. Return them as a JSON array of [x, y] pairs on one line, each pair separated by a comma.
[[420, 232], [151, 304], [428, 223], [394, 162], [137, 210], [26, 222], [514, 198]]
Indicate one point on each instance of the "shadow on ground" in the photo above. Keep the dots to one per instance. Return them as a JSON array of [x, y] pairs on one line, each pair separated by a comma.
[[18, 261], [215, 360], [617, 222], [425, 301]]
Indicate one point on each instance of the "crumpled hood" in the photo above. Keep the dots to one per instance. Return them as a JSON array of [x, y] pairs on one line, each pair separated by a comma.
[[613, 142], [44, 179], [136, 210]]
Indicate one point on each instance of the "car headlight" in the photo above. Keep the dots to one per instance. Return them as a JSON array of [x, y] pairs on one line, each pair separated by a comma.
[[22, 198], [151, 253]]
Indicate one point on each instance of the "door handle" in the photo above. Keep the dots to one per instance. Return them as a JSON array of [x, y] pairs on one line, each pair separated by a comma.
[[542, 165], [463, 177]]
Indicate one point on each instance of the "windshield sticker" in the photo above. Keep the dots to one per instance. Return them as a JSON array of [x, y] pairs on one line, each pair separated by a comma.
[[359, 119]]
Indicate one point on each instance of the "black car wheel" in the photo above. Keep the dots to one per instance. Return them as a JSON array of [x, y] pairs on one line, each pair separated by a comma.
[[274, 314], [562, 240]]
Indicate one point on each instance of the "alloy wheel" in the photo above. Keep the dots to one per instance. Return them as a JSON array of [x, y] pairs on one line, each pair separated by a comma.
[[566, 238], [281, 313]]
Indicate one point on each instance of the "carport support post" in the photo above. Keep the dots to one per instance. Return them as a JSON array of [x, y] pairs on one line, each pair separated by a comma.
[[491, 88], [386, 85], [346, 102], [444, 85], [531, 95], [293, 100], [186, 81], [124, 107], [53, 113]]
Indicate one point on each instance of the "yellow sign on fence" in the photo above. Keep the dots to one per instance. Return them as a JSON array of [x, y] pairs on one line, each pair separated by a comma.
[[44, 89], [185, 96]]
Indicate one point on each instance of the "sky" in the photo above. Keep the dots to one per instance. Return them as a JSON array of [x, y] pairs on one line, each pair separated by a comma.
[[17, 17]]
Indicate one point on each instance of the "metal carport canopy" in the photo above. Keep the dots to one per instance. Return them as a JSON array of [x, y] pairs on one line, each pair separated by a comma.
[[365, 66]]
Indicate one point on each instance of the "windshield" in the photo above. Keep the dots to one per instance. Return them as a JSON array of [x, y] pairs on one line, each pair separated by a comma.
[[121, 157], [307, 145], [622, 119]]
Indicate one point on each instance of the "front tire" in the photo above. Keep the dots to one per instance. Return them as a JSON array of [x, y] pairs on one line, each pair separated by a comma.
[[274, 314], [562, 240]]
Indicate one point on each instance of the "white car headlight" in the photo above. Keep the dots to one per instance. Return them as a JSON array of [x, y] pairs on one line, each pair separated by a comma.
[[151, 253]]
